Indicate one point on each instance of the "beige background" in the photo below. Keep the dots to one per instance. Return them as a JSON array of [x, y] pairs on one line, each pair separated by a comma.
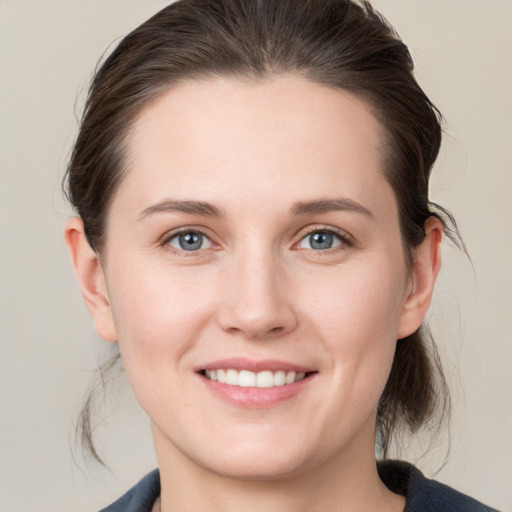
[[48, 49]]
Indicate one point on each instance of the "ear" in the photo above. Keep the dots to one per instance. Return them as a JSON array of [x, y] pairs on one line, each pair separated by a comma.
[[426, 262], [90, 276]]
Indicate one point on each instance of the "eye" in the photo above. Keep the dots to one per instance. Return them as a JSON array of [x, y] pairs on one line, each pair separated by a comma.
[[321, 240], [189, 241]]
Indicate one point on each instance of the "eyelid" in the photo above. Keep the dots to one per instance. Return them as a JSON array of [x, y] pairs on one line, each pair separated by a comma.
[[345, 238], [165, 240]]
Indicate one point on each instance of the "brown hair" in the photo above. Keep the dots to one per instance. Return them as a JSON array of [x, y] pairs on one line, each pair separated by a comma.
[[338, 43]]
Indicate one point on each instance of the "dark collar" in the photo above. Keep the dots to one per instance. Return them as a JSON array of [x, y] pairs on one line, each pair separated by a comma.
[[422, 494]]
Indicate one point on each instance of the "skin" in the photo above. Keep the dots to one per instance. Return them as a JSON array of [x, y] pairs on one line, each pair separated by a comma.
[[259, 152]]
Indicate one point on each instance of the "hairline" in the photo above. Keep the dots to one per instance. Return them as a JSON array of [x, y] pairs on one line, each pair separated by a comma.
[[246, 77]]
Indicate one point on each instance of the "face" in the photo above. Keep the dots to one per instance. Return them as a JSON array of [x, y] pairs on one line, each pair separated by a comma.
[[255, 275]]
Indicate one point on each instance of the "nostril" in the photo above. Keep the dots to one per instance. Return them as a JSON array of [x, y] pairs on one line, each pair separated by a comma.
[[256, 318]]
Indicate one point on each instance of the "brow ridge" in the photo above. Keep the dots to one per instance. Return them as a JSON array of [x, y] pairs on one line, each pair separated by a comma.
[[201, 208], [206, 209], [328, 205]]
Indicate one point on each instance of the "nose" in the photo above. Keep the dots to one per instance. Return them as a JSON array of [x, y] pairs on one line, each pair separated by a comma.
[[257, 299]]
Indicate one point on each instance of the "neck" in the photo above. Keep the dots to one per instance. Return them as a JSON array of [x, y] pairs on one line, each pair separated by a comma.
[[347, 481]]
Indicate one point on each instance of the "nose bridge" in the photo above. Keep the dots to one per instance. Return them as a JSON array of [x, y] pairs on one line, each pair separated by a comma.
[[257, 301]]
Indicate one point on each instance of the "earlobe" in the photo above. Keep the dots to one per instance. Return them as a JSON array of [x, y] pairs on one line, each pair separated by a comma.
[[91, 279], [425, 267]]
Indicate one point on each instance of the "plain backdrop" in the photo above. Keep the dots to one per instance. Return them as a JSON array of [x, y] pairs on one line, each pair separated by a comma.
[[48, 50]]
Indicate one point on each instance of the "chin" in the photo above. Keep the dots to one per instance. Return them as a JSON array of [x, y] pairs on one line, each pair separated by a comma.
[[259, 469], [264, 461]]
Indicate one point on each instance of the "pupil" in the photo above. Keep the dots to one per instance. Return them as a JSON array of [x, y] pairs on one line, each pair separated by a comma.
[[190, 241], [321, 240]]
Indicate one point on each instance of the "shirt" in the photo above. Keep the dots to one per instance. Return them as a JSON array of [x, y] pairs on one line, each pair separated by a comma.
[[421, 493]]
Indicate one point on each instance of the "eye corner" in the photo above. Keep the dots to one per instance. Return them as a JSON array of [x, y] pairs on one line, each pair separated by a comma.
[[187, 241], [328, 239]]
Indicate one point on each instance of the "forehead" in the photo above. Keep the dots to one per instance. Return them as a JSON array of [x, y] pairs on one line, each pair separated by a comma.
[[253, 136]]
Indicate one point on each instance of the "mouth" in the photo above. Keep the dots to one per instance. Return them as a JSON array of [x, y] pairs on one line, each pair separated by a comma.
[[252, 384], [250, 379], [255, 384]]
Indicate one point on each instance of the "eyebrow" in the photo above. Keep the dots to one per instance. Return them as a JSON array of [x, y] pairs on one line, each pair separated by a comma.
[[191, 207], [205, 209], [329, 205]]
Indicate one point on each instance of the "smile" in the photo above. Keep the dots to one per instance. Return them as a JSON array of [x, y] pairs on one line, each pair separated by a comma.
[[249, 379]]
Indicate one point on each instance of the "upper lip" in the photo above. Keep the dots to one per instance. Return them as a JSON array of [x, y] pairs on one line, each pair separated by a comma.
[[254, 366]]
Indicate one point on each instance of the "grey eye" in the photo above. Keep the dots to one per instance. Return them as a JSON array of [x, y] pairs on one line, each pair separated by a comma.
[[189, 241], [320, 241]]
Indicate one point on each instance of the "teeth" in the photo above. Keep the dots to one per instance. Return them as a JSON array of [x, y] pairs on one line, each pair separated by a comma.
[[279, 378], [247, 379], [264, 380], [232, 377], [290, 377]]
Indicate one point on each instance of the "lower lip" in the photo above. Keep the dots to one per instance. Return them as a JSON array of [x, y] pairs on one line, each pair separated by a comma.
[[256, 398]]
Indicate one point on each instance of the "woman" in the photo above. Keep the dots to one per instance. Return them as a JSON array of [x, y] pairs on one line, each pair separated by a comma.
[[254, 230]]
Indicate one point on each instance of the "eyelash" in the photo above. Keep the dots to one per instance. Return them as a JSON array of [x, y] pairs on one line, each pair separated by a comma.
[[345, 241], [166, 242]]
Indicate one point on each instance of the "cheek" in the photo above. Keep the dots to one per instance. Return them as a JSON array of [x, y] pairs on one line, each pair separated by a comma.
[[158, 314], [357, 316], [358, 305]]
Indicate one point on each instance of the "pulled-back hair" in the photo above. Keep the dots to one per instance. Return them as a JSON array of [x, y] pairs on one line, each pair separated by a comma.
[[337, 43]]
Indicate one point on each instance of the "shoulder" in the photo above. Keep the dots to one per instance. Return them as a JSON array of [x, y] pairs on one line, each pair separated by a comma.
[[423, 494], [139, 498]]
